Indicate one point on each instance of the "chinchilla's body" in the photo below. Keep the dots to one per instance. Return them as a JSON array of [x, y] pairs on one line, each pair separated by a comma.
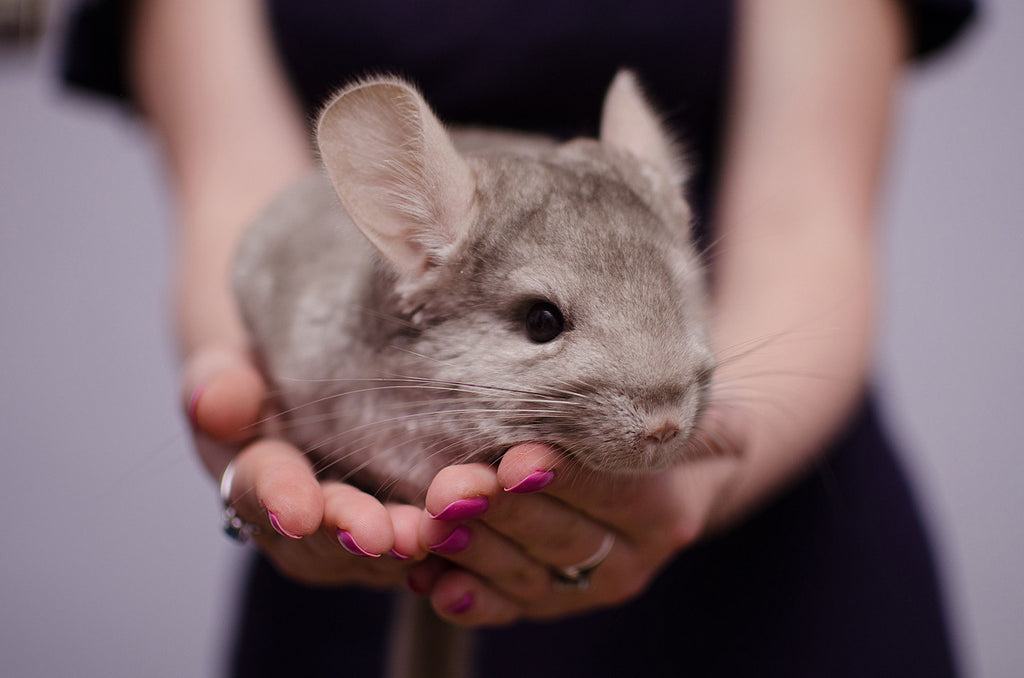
[[435, 298], [402, 342]]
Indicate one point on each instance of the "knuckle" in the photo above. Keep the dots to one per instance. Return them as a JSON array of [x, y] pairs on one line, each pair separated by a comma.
[[529, 583], [683, 532]]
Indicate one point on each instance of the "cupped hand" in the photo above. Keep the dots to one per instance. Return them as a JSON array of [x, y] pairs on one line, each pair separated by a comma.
[[509, 533], [316, 532]]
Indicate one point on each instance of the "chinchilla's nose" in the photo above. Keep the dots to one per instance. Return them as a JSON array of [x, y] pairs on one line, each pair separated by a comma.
[[661, 431]]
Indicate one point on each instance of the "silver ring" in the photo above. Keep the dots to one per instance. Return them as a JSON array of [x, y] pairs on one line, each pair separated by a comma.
[[231, 523], [577, 576]]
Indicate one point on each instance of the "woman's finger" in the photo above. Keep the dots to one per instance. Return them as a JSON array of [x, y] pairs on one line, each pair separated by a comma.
[[320, 534], [274, 486], [466, 599], [405, 521], [607, 498], [542, 528], [361, 524], [474, 546], [223, 394], [660, 512]]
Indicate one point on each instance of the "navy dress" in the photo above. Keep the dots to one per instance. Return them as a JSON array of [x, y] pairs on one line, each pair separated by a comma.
[[833, 578]]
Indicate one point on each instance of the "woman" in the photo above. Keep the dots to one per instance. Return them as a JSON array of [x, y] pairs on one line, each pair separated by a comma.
[[797, 551]]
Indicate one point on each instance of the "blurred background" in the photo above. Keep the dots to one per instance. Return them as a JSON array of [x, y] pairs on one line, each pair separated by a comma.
[[112, 563]]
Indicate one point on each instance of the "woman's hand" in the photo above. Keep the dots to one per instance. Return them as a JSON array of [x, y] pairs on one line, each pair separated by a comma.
[[207, 78], [317, 533], [508, 532], [792, 309]]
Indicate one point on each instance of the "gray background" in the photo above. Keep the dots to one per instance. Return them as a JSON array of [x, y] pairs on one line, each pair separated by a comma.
[[111, 563]]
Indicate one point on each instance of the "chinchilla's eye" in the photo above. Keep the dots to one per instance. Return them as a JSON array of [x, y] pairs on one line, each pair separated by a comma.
[[544, 322]]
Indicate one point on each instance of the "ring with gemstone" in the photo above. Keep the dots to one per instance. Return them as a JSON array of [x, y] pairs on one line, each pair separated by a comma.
[[231, 523]]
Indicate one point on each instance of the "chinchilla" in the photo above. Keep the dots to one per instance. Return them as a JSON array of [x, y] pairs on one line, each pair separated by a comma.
[[434, 297]]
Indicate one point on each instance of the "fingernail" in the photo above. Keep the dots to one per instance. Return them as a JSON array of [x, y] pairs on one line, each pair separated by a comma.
[[277, 526], [537, 480], [457, 541], [349, 543], [462, 605], [193, 405], [415, 586], [463, 509], [400, 556]]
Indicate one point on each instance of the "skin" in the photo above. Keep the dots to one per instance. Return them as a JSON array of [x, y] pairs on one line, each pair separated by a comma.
[[793, 300], [209, 84]]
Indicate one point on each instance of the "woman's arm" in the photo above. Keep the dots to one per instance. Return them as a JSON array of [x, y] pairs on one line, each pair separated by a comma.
[[206, 76], [795, 264], [793, 303], [208, 81]]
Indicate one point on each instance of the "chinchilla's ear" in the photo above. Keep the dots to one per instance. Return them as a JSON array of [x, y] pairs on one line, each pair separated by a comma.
[[396, 171], [629, 123]]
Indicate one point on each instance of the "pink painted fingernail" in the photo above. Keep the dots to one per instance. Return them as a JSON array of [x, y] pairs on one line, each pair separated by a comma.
[[462, 605], [193, 405], [463, 509], [457, 541], [349, 543], [277, 526], [537, 480], [395, 554]]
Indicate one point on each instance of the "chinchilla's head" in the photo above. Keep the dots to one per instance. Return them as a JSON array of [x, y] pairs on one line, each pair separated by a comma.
[[558, 290]]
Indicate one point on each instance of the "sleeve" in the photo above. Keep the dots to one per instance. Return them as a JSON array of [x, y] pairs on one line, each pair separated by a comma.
[[934, 24], [94, 56], [95, 48]]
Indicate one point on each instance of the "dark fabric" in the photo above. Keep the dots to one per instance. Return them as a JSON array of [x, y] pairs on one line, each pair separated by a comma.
[[95, 50], [94, 55], [525, 64], [292, 630], [541, 65], [935, 23], [833, 579]]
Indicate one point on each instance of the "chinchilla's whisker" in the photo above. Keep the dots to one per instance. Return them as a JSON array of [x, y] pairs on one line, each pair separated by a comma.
[[789, 374], [383, 423], [399, 410], [742, 350], [461, 384], [753, 397], [589, 386], [505, 401], [463, 436], [485, 388], [451, 416], [703, 442], [711, 250], [569, 391], [337, 456], [390, 387], [745, 348], [388, 317], [512, 386], [438, 448], [416, 354]]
